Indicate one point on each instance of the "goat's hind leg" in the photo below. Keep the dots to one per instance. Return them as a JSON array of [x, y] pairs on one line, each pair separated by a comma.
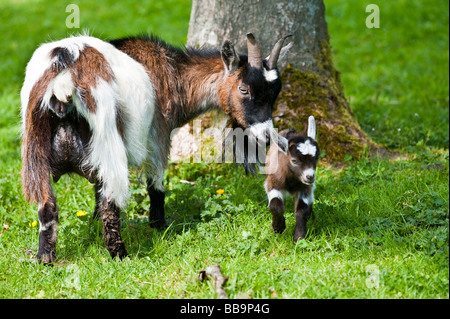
[[110, 216], [48, 225]]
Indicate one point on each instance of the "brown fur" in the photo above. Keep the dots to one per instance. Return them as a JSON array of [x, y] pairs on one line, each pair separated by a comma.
[[277, 166], [183, 82], [36, 144], [229, 98], [87, 69]]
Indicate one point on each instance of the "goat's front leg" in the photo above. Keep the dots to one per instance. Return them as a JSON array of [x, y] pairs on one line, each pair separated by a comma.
[[156, 216], [303, 210], [110, 216], [48, 225], [276, 205]]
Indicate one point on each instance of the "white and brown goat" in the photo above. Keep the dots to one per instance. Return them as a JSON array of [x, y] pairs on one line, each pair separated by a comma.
[[293, 172], [95, 108]]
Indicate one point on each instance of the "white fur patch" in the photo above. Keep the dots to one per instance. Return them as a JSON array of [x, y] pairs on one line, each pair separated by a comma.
[[61, 86], [46, 226], [308, 199], [107, 152], [307, 148], [259, 130], [274, 193], [308, 172], [270, 75]]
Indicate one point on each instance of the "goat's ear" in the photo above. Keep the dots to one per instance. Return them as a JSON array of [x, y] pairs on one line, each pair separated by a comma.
[[229, 57], [311, 127]]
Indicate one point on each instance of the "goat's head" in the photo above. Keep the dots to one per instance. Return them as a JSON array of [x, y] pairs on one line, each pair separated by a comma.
[[251, 86], [303, 153]]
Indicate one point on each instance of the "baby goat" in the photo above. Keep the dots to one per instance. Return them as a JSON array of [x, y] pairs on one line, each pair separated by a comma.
[[293, 172]]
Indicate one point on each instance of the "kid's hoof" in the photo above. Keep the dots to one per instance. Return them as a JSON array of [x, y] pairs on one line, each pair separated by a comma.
[[279, 225], [299, 236]]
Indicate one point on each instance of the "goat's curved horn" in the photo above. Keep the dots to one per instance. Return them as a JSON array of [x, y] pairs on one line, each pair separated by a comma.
[[254, 53], [273, 57]]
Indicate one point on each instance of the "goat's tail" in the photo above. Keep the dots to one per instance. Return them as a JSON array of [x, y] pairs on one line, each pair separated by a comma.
[[63, 75]]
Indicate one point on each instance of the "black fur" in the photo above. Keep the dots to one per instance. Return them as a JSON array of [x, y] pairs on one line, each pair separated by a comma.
[[63, 59], [156, 217]]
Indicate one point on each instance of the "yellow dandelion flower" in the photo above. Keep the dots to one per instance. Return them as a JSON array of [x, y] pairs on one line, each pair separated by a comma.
[[220, 191], [33, 224], [81, 213]]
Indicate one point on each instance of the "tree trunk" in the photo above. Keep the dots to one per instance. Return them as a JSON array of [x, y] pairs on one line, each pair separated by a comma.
[[311, 84]]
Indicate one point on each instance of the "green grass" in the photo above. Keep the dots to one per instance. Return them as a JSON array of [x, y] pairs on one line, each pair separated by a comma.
[[381, 227], [396, 77]]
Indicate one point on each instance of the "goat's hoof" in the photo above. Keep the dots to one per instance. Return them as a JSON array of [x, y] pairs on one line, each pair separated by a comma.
[[118, 251], [159, 224], [46, 258]]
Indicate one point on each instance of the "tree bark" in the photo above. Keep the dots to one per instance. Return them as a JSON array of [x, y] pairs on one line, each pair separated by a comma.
[[213, 21], [311, 84]]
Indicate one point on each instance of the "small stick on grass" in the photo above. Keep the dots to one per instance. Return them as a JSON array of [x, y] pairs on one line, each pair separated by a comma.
[[218, 279]]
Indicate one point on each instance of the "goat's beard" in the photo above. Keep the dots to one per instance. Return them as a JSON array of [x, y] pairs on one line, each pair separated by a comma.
[[249, 150]]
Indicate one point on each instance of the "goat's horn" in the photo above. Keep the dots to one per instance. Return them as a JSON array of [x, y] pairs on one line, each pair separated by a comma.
[[273, 58], [254, 53]]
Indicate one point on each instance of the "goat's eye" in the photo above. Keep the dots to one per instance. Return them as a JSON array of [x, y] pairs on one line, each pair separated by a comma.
[[294, 161], [243, 89]]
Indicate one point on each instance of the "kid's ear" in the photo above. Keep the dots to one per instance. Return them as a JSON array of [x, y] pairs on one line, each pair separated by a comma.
[[280, 140], [312, 127]]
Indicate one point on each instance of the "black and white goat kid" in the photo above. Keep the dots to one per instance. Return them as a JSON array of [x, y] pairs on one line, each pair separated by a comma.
[[95, 108], [292, 172]]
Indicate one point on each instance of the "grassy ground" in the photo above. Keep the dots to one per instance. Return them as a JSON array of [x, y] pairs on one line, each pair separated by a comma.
[[381, 227]]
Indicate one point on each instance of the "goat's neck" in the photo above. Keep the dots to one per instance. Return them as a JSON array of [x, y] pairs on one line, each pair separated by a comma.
[[200, 84]]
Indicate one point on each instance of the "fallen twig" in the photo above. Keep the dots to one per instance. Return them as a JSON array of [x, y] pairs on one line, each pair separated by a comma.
[[218, 279]]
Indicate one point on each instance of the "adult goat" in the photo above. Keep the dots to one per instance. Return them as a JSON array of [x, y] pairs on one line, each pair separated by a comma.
[[95, 108]]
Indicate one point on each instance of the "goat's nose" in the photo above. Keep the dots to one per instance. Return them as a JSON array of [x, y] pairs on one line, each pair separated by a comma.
[[310, 178]]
